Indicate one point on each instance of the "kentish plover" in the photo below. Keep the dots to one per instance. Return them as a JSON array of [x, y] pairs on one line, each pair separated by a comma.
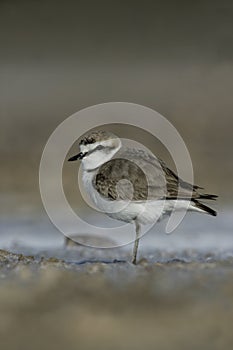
[[130, 184]]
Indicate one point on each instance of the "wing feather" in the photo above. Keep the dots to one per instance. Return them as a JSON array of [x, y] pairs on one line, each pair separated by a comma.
[[138, 175]]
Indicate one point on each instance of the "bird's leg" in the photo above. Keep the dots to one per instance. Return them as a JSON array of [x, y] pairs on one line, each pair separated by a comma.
[[67, 240], [136, 242]]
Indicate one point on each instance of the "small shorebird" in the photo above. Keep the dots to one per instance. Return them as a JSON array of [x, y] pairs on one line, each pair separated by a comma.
[[132, 185]]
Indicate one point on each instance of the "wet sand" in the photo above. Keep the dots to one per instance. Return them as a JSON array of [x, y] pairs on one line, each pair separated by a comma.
[[50, 303]]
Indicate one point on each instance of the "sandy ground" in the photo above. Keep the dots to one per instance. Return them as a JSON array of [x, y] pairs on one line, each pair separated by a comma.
[[47, 303]]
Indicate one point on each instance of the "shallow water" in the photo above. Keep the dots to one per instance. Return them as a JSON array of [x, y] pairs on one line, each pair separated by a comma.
[[198, 237]]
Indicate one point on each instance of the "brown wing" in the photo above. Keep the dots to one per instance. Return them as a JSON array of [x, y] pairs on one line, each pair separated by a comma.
[[144, 177], [121, 179]]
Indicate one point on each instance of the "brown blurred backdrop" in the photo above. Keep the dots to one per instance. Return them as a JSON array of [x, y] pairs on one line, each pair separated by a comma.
[[58, 57]]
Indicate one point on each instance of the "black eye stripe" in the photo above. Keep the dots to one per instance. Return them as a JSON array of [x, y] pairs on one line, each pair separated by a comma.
[[99, 147]]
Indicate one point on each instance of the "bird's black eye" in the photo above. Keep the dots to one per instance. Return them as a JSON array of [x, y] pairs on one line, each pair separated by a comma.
[[87, 141]]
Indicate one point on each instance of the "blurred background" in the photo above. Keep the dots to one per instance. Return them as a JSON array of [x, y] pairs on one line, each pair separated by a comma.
[[57, 57]]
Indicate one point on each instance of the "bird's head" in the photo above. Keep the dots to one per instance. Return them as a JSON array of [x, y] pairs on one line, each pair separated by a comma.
[[97, 148]]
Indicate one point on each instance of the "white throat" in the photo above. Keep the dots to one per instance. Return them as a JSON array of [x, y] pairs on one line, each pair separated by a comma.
[[97, 157]]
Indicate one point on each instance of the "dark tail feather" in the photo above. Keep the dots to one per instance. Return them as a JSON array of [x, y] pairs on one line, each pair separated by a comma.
[[204, 207], [208, 196]]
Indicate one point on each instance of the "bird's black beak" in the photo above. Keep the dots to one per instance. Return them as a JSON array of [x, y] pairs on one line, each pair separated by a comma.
[[78, 156]]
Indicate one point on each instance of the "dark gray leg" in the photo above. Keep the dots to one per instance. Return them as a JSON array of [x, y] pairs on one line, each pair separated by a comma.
[[66, 242], [136, 242]]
